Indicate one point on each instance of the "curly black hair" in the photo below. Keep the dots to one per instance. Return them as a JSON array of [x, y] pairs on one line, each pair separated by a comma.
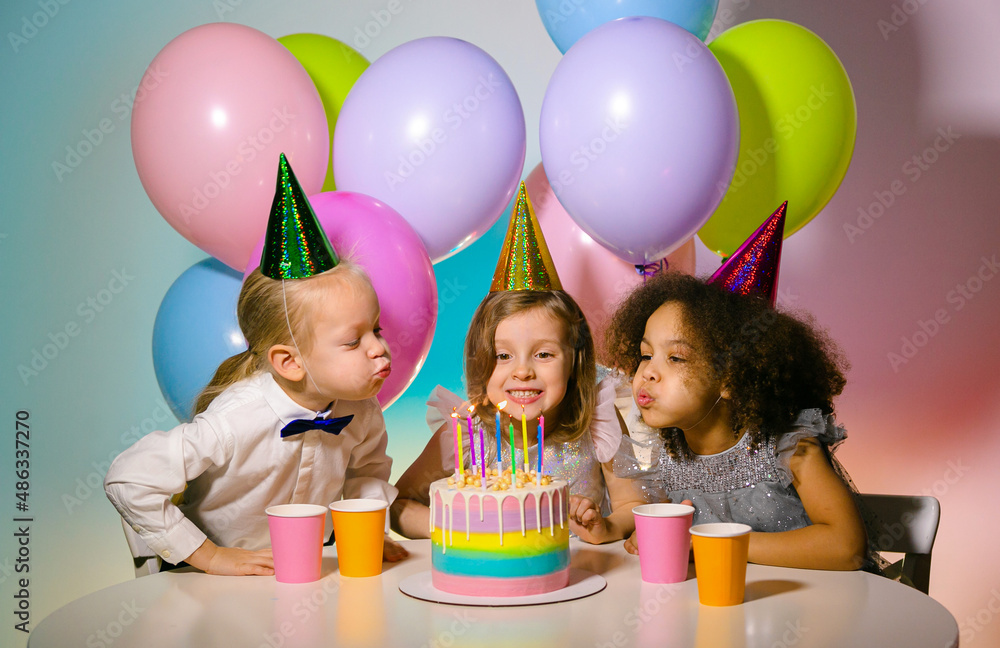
[[773, 364]]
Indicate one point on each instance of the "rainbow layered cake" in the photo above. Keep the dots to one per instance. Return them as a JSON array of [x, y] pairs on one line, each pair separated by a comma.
[[507, 537]]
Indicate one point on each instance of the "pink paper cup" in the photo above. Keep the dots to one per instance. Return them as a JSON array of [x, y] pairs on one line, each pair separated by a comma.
[[664, 539], [297, 541]]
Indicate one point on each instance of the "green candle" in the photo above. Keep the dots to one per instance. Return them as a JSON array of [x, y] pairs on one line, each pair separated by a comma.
[[513, 455]]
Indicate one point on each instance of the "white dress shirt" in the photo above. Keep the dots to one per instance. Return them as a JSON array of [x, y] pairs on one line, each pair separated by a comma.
[[234, 464]]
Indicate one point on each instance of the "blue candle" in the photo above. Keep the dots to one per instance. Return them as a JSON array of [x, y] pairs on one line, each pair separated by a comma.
[[500, 406]]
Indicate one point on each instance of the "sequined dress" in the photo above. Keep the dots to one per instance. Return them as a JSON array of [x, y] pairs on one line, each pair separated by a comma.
[[741, 484]]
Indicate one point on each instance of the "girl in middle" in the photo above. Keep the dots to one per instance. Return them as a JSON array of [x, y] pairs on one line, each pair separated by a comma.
[[529, 344]]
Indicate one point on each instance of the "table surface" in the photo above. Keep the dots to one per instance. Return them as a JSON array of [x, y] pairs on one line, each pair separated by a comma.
[[784, 607]]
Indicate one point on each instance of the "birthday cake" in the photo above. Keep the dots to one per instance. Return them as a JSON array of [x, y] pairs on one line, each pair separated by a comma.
[[507, 537]]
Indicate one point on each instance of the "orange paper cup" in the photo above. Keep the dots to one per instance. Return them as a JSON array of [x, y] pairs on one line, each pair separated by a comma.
[[359, 529], [720, 561]]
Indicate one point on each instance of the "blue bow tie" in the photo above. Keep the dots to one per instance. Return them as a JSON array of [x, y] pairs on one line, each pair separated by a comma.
[[331, 425]]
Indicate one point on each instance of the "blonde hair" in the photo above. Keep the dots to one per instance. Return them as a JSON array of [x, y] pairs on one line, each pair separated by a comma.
[[577, 407], [260, 311]]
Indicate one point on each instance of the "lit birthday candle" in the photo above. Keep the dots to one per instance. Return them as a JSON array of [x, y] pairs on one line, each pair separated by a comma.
[[513, 455], [459, 459], [499, 429], [472, 440], [524, 440]]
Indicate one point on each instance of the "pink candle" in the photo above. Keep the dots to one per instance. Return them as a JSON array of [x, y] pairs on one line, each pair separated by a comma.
[[541, 443], [458, 442]]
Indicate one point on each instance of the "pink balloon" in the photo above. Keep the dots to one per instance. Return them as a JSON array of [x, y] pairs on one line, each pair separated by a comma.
[[596, 277], [386, 246], [215, 108]]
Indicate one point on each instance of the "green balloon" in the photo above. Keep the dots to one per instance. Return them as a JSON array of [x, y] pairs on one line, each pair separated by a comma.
[[334, 68], [798, 121]]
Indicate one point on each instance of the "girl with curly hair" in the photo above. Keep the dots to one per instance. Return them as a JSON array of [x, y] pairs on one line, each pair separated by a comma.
[[742, 395]]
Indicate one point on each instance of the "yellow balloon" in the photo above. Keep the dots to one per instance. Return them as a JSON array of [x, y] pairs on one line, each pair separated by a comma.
[[334, 68], [798, 121]]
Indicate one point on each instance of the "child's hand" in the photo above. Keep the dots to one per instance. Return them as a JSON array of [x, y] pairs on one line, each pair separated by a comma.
[[230, 561], [392, 551], [586, 521], [632, 544]]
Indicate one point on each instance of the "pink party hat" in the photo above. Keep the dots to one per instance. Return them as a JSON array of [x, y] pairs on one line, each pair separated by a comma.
[[753, 268]]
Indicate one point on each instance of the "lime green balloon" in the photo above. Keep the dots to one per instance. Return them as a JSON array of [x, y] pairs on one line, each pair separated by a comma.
[[334, 68], [798, 120]]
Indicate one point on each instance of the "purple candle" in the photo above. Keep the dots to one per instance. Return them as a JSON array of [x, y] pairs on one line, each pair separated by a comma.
[[472, 440]]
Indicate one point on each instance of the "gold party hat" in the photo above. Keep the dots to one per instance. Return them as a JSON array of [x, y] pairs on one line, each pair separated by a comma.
[[524, 262]]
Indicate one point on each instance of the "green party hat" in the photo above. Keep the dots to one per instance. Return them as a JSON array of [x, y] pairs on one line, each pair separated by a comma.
[[295, 246], [525, 263]]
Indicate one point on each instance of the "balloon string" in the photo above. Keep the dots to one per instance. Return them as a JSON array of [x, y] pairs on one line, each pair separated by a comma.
[[648, 270]]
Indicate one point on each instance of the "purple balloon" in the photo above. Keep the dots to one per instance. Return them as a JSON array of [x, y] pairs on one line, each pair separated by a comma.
[[383, 243], [639, 136], [435, 129]]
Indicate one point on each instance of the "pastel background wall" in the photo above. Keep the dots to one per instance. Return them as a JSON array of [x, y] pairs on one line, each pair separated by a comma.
[[926, 425]]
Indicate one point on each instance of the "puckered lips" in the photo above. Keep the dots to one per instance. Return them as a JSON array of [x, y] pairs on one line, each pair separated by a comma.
[[643, 398]]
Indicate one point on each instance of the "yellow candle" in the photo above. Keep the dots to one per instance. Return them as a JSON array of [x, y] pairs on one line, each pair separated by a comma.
[[459, 459], [524, 440]]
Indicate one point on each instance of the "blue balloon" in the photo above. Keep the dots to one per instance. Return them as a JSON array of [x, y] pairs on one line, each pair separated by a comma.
[[568, 20], [195, 330]]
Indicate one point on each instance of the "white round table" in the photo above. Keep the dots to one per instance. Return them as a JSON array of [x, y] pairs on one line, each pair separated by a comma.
[[784, 607]]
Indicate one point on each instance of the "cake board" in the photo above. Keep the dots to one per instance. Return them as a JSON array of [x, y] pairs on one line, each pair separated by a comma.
[[581, 584]]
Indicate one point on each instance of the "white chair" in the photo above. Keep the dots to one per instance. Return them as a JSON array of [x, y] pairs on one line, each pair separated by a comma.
[[908, 525]]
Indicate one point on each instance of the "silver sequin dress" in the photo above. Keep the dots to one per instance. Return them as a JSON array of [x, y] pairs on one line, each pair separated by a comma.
[[750, 486]]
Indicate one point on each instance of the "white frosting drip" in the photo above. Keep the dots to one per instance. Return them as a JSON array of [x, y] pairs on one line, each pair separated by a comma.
[[448, 494]]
